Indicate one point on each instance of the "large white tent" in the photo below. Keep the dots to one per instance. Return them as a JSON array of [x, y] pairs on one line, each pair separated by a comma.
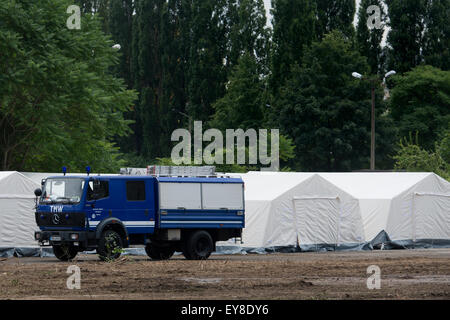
[[310, 211], [17, 220], [345, 210]]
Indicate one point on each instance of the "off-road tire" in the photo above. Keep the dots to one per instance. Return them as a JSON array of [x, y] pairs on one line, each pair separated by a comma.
[[65, 252], [109, 246], [198, 246], [156, 252]]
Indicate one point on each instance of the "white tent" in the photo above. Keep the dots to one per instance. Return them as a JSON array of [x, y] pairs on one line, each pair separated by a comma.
[[268, 208], [345, 210], [285, 209], [408, 207], [312, 211], [17, 220]]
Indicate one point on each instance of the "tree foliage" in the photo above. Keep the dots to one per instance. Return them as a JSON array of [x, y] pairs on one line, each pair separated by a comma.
[[420, 33], [294, 28], [335, 15], [327, 112], [61, 100], [411, 157], [406, 19], [243, 105], [420, 101], [436, 44], [369, 41], [59, 105]]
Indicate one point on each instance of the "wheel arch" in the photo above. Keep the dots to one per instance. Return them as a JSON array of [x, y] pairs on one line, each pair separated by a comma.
[[115, 225]]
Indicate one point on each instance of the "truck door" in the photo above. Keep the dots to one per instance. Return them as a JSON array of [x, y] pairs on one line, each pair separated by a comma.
[[98, 203], [140, 206]]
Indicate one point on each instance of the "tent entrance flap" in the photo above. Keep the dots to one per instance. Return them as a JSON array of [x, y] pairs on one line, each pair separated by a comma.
[[317, 220], [425, 222]]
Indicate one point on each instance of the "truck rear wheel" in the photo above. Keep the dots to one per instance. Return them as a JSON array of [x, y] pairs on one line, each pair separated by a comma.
[[109, 246], [65, 252], [156, 252], [198, 246]]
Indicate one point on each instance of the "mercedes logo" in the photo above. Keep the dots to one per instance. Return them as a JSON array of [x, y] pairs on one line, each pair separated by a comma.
[[55, 219]]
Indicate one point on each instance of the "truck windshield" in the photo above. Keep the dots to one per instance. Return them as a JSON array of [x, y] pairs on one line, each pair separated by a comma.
[[62, 190]]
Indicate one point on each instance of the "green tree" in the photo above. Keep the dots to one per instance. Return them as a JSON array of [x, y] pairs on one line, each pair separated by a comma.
[[294, 28], [59, 105], [120, 27], [160, 68], [327, 112], [247, 32], [148, 75], [206, 73], [420, 102], [444, 146], [369, 41], [436, 46], [97, 7], [406, 20], [411, 157], [335, 15], [243, 104]]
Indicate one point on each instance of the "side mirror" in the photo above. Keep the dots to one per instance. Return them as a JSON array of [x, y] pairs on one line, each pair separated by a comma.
[[38, 192]]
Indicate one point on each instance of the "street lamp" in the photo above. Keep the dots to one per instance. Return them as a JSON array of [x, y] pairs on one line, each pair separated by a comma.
[[390, 73], [373, 80]]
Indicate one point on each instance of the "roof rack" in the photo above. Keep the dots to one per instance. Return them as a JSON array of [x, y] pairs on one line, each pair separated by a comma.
[[174, 171]]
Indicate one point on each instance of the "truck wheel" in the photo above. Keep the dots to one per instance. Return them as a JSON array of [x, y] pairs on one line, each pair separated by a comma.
[[198, 246], [65, 252], [109, 246], [159, 252]]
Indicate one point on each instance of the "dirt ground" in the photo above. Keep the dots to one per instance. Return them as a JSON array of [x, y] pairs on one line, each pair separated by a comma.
[[405, 274]]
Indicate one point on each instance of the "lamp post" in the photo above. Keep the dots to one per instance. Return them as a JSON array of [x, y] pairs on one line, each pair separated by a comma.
[[373, 80]]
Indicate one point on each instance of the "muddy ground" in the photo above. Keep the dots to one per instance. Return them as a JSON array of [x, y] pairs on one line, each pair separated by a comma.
[[405, 274]]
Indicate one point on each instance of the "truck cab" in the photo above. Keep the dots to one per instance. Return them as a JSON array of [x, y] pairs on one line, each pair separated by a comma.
[[165, 214]]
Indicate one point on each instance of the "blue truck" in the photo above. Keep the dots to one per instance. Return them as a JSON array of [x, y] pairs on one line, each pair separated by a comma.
[[107, 213]]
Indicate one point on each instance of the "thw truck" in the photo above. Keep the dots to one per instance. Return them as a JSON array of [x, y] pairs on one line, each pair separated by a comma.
[[111, 212]]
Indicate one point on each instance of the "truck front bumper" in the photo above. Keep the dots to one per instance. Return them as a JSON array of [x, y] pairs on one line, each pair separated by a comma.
[[49, 238]]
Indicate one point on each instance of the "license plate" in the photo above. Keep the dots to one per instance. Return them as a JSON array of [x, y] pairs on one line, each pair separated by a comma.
[[55, 238]]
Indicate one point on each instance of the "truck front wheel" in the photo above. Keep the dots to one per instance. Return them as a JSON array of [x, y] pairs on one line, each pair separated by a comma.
[[109, 246], [65, 252], [156, 252], [198, 246]]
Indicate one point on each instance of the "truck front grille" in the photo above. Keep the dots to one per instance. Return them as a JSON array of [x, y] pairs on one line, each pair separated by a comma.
[[60, 219]]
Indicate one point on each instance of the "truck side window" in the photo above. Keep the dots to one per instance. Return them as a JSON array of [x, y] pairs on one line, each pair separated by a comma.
[[101, 190], [135, 190]]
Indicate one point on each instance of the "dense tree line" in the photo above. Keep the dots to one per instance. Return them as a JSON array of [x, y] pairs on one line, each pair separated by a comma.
[[218, 61]]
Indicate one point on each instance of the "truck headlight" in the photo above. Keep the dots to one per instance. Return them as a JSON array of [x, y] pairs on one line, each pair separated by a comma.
[[74, 236]]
